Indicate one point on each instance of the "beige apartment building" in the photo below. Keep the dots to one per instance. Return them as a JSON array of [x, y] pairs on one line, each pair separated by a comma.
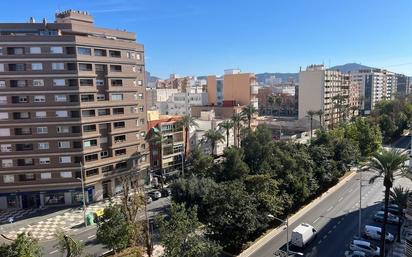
[[71, 95], [235, 88], [326, 90]]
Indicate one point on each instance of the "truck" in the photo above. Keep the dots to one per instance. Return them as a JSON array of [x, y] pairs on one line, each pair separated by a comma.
[[302, 235]]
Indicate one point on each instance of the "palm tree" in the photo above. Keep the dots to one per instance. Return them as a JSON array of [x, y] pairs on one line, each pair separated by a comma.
[[387, 164], [310, 114], [69, 245], [214, 136], [271, 102], [155, 138], [227, 125], [248, 111], [320, 114], [237, 120], [399, 196], [353, 109], [278, 101], [186, 122]]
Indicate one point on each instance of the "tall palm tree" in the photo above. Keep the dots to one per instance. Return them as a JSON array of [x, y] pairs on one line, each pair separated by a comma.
[[155, 139], [271, 102], [387, 164], [186, 122], [399, 196], [237, 120], [278, 101], [320, 114], [227, 125], [353, 109], [310, 114], [248, 111], [214, 136]]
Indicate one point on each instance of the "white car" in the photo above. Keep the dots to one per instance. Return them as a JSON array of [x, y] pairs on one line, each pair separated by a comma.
[[355, 254], [373, 232], [365, 246], [392, 219]]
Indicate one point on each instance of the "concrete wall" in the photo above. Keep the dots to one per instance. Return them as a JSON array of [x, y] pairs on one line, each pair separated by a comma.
[[310, 92]]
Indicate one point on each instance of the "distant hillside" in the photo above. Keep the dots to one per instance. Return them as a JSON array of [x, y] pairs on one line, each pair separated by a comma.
[[349, 67], [261, 77]]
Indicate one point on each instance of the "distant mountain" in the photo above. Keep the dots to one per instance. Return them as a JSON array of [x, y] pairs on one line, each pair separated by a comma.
[[350, 67], [262, 77]]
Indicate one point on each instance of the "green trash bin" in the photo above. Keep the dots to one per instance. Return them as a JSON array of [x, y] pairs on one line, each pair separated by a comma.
[[89, 219]]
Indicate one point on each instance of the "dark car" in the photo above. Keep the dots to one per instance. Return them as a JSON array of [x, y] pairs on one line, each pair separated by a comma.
[[166, 192], [155, 195]]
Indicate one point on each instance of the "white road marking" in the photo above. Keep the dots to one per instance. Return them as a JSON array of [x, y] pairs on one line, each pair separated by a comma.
[[340, 199], [334, 226], [324, 237], [330, 208], [316, 220], [339, 222], [53, 252], [90, 237]]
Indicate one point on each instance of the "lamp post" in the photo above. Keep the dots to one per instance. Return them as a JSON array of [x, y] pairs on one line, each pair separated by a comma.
[[286, 222], [81, 179], [360, 202]]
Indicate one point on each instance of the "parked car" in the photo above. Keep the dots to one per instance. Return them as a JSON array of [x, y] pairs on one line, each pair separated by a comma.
[[155, 195], [355, 254], [392, 208], [365, 246], [302, 235], [373, 232], [392, 219], [166, 192]]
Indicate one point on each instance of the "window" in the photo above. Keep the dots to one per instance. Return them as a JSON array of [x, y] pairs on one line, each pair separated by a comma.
[[86, 82], [4, 132], [117, 97], [1, 67], [140, 82], [100, 67], [101, 97], [21, 115], [134, 68], [119, 152], [90, 143], [3, 99], [56, 50], [57, 66], [103, 140], [7, 163], [141, 109], [87, 98], [37, 66], [99, 82], [140, 96], [115, 68], [44, 160], [89, 128], [107, 168], [45, 175], [120, 139], [2, 84], [22, 131], [92, 172], [43, 146], [138, 56], [100, 52], [15, 50], [66, 174], [85, 67], [62, 114], [88, 113], [18, 83], [24, 147], [27, 177], [117, 83], [38, 83], [121, 165], [91, 157], [64, 144], [84, 51], [142, 134], [41, 130], [115, 54], [63, 129], [59, 82], [4, 116], [5, 148], [39, 99], [119, 124], [117, 111], [104, 154], [41, 114], [8, 178], [35, 50], [65, 159], [60, 98], [103, 112], [1, 50]]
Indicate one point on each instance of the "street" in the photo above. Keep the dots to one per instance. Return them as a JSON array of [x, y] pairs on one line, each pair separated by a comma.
[[88, 237]]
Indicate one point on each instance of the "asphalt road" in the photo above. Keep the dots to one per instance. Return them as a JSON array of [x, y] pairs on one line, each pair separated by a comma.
[[88, 237]]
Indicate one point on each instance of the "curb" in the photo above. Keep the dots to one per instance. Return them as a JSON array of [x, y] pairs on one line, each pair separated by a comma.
[[266, 238]]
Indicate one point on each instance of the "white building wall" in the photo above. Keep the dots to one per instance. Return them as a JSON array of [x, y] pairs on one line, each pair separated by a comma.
[[311, 91]]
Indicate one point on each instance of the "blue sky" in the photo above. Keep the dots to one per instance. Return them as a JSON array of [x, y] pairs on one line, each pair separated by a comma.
[[193, 37]]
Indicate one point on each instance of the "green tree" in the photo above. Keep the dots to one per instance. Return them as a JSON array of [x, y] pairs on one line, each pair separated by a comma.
[[181, 234], [233, 166], [271, 102], [114, 230], [227, 125], [155, 139], [237, 120], [69, 245], [201, 164], [368, 136], [387, 164], [249, 111], [186, 122], [213, 136], [23, 246], [399, 195], [310, 114]]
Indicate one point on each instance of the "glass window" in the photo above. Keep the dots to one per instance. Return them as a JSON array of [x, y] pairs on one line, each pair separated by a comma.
[[64, 144], [60, 98], [100, 97], [4, 115], [39, 98], [54, 198], [99, 82], [63, 129], [59, 82], [2, 84], [1, 50], [66, 174], [1, 67], [45, 175], [41, 130], [62, 114], [37, 66], [3, 99], [7, 163], [41, 114], [4, 132], [56, 50], [5, 148], [38, 83], [117, 97], [35, 50], [44, 160], [43, 146], [57, 66], [65, 159], [8, 178], [84, 51]]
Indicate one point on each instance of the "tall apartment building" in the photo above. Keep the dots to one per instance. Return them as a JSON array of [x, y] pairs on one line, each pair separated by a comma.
[[326, 90], [403, 85], [376, 85], [70, 94], [235, 88]]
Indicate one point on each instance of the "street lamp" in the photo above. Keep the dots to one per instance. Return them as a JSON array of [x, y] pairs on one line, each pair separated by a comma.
[[286, 222], [81, 179]]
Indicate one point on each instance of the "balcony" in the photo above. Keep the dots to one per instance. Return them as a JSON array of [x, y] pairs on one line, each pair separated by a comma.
[[254, 89]]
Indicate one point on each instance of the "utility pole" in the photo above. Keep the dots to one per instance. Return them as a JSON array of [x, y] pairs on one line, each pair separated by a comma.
[[360, 202]]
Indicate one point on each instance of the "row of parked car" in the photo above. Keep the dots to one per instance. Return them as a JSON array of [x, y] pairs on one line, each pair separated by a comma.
[[366, 248]]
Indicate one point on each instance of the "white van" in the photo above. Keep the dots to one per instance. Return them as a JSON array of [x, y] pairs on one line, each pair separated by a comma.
[[373, 232], [302, 235]]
